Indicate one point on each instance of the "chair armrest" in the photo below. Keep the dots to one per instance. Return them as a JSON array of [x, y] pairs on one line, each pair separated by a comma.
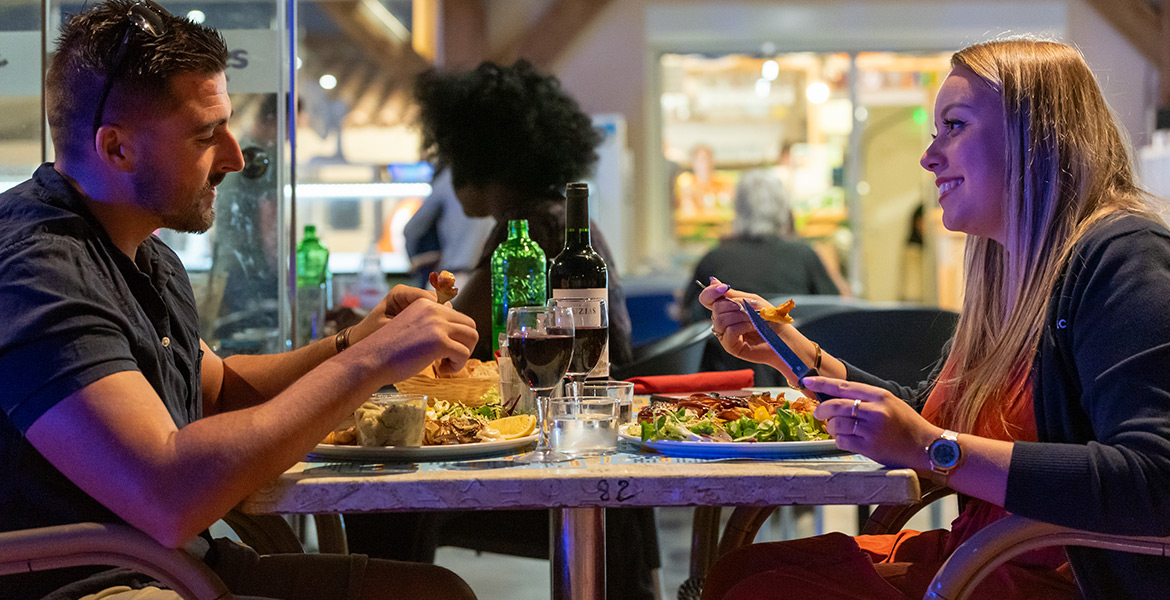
[[1013, 535], [111, 544], [266, 534], [891, 518]]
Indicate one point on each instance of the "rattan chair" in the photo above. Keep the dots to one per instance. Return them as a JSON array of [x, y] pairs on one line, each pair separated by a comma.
[[1012, 535], [80, 544]]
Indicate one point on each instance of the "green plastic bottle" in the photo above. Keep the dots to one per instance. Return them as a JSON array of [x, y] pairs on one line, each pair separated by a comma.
[[312, 283], [518, 276]]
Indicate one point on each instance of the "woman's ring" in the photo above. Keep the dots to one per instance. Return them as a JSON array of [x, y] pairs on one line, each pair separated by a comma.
[[853, 413]]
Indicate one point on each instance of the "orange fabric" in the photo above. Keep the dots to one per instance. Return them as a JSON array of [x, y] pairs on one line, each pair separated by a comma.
[[897, 566]]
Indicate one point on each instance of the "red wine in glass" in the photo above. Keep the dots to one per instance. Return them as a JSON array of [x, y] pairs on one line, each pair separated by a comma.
[[588, 344], [541, 359]]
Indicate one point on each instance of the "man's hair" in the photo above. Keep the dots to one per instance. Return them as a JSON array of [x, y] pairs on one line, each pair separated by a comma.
[[1068, 168], [505, 125], [86, 51]]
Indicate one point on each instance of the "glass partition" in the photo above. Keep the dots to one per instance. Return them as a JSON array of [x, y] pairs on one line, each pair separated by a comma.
[[239, 268], [21, 144]]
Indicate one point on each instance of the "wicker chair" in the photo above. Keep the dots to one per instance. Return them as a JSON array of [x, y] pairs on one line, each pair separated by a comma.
[[121, 545], [997, 543], [111, 544]]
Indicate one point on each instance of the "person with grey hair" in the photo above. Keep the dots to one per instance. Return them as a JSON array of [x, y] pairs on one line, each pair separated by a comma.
[[762, 253]]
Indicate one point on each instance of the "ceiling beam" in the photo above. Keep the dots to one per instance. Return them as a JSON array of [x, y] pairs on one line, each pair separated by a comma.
[[380, 36], [463, 24], [544, 41], [1138, 22]]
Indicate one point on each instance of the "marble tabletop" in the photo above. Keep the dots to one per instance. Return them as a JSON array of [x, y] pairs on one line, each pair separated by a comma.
[[624, 479]]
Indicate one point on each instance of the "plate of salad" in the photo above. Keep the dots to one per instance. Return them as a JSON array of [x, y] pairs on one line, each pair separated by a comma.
[[712, 425]]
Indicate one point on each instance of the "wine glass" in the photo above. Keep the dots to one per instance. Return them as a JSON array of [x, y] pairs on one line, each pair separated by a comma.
[[540, 343], [591, 333]]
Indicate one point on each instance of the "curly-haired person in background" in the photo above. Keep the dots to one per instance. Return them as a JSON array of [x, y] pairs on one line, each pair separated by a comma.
[[513, 139]]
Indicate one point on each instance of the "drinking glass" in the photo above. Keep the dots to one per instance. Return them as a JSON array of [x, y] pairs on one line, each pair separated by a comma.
[[622, 391], [584, 425], [589, 338], [540, 343]]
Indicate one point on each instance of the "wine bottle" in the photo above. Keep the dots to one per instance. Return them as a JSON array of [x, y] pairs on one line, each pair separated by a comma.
[[579, 272], [518, 276], [312, 284]]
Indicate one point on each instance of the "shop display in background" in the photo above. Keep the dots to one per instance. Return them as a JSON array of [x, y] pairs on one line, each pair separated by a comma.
[[702, 198]]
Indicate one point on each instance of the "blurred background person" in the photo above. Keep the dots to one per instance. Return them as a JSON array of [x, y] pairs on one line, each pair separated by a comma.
[[441, 237], [242, 311], [762, 253], [912, 285]]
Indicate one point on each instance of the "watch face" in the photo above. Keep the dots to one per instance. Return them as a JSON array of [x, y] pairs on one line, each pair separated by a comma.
[[944, 453]]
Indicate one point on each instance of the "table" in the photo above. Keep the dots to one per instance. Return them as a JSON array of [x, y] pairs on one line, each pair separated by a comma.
[[579, 490]]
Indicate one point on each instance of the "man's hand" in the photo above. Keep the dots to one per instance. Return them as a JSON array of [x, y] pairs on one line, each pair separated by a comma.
[[394, 303], [422, 333]]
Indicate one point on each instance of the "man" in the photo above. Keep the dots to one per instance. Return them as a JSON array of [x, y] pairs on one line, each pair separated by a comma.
[[114, 409]]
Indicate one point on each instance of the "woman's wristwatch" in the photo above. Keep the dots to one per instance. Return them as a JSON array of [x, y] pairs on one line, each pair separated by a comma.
[[945, 456]]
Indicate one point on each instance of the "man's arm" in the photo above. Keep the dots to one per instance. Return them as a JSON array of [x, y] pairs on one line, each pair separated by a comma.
[[247, 380], [116, 441]]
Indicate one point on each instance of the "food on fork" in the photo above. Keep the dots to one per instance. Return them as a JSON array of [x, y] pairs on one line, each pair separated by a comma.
[[444, 284], [779, 314]]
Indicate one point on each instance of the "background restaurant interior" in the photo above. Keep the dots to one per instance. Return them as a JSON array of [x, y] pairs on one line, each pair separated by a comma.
[[834, 97]]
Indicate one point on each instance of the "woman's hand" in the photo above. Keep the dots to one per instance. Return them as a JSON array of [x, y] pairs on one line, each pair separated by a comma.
[[735, 331], [873, 422]]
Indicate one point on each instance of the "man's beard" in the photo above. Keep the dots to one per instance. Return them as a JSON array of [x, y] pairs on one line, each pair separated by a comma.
[[191, 217]]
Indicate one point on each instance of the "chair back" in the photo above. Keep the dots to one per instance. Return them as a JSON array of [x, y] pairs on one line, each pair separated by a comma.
[[899, 343], [677, 354]]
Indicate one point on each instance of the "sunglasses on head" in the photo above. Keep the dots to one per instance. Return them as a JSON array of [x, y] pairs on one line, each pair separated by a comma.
[[145, 16]]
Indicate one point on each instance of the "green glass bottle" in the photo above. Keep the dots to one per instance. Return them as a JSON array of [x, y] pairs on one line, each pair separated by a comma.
[[312, 284], [518, 276]]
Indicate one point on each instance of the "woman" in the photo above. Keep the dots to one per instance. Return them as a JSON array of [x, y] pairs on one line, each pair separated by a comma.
[[513, 139], [1056, 379]]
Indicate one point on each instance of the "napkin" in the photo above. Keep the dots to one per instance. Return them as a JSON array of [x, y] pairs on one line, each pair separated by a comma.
[[697, 382]]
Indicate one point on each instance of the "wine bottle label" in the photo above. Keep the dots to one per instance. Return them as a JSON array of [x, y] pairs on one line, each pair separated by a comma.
[[592, 319]]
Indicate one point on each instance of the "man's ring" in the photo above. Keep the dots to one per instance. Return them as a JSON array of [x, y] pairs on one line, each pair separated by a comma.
[[853, 413]]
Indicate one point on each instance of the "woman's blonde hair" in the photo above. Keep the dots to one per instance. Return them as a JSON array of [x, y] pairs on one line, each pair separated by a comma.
[[1068, 168]]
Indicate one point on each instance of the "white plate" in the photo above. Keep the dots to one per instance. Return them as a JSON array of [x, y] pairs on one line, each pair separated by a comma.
[[420, 453], [735, 449]]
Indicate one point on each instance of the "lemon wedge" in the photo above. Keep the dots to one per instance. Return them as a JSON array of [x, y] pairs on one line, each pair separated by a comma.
[[515, 426]]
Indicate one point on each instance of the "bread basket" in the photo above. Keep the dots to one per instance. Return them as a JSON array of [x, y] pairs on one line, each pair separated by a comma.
[[468, 390]]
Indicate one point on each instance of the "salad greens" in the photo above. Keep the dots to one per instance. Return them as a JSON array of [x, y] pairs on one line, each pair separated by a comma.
[[763, 425], [492, 407]]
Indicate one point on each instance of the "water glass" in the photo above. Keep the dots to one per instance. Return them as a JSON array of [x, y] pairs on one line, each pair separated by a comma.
[[583, 425], [622, 391]]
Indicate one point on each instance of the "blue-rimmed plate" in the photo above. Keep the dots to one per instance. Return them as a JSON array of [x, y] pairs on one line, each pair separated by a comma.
[[734, 449]]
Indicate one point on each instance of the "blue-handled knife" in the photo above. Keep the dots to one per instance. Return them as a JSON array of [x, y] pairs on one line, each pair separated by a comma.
[[781, 349]]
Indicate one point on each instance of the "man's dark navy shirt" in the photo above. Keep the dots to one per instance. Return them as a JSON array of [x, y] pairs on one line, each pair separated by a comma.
[[75, 309]]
